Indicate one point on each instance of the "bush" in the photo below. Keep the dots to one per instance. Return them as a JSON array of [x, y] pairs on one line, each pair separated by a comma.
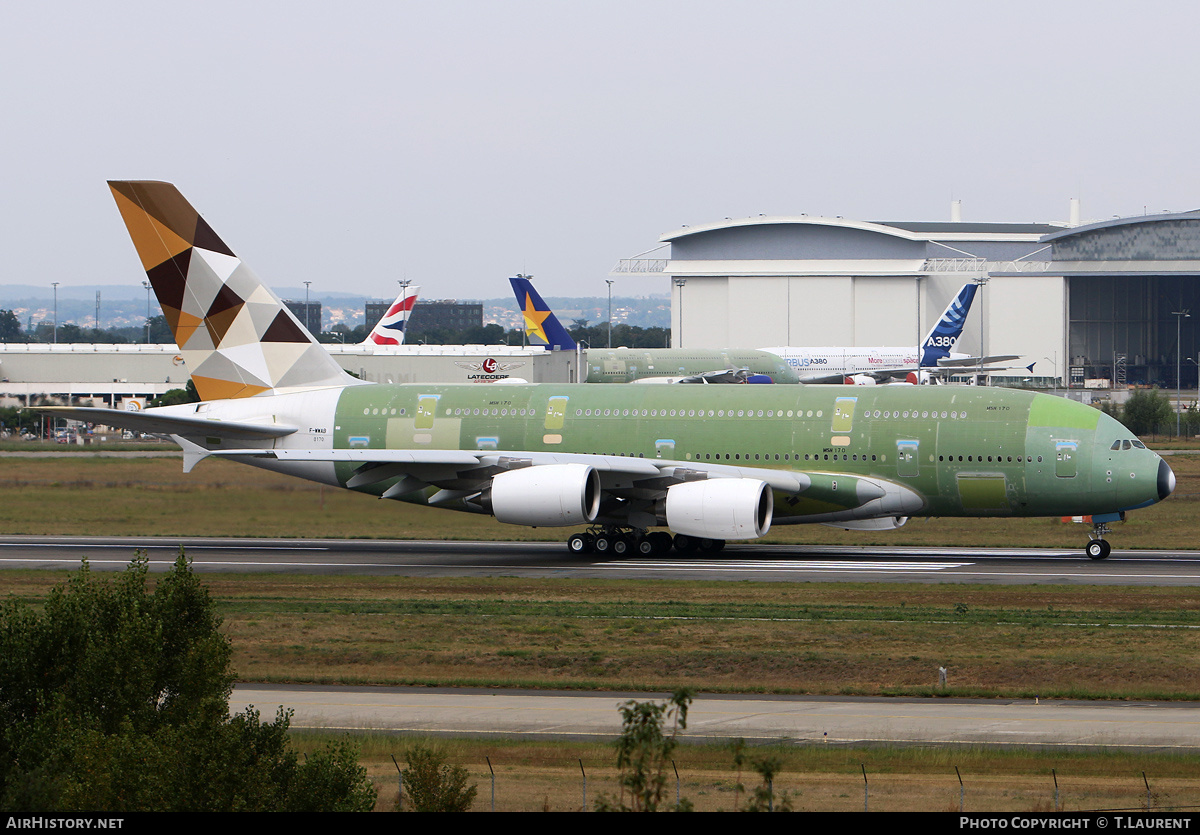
[[113, 698], [434, 786]]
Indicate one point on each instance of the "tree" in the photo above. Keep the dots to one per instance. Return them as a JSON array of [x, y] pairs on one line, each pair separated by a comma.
[[116, 698], [173, 397], [10, 327], [1147, 411], [435, 786], [160, 331], [763, 797], [644, 751]]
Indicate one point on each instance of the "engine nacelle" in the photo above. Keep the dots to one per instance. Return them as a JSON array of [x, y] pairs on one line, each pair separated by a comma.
[[720, 508], [556, 495], [861, 380], [881, 523]]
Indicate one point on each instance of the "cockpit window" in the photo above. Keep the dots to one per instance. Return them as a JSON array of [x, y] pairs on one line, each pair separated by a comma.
[[1116, 445], [1139, 445], [1126, 445]]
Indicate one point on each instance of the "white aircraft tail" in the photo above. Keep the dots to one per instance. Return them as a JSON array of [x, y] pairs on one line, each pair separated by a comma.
[[236, 337], [390, 329]]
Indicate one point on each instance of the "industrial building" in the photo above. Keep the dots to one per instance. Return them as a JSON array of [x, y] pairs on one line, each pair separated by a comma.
[[128, 376], [1094, 303]]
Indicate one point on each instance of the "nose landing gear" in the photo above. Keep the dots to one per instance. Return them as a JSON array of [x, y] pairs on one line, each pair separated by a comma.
[[1098, 548]]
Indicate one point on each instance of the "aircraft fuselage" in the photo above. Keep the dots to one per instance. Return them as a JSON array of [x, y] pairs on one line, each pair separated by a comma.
[[952, 451]]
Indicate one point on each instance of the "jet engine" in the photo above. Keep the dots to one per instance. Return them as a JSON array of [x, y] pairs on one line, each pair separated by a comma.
[[555, 495], [720, 508], [861, 380]]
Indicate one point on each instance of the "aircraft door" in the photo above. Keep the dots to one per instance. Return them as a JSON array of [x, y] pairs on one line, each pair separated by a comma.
[[426, 410], [907, 459], [1064, 459], [843, 414], [556, 412]]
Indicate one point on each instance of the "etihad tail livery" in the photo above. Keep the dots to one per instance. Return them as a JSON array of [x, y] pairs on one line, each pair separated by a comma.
[[390, 329], [708, 463], [648, 365], [871, 365]]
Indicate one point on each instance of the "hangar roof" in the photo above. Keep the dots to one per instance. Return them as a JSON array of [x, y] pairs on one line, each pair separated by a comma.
[[1162, 238], [1193, 215], [908, 230]]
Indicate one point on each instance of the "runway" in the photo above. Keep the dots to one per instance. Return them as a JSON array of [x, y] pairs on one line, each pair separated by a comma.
[[801, 720], [790, 719], [770, 563]]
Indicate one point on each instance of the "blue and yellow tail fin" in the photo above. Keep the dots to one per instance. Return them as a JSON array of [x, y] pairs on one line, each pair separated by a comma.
[[541, 325]]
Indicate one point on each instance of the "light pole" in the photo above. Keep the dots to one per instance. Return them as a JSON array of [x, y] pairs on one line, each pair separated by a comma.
[[404, 282], [146, 284], [608, 281], [1055, 362], [679, 282], [54, 284], [1179, 315], [307, 310]]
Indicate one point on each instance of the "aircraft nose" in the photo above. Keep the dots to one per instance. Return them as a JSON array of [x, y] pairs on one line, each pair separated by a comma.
[[1166, 480]]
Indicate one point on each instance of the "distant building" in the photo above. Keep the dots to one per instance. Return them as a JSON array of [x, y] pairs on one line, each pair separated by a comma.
[[449, 314], [309, 314]]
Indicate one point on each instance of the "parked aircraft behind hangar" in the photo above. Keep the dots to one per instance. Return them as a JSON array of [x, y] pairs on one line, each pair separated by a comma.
[[633, 365], [708, 464], [867, 366], [859, 366]]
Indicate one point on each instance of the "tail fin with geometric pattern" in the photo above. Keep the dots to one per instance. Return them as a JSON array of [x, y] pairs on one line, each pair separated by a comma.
[[236, 337]]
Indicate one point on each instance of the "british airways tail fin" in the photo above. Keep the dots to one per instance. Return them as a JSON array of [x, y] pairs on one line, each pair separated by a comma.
[[236, 337], [943, 336], [390, 329], [541, 325]]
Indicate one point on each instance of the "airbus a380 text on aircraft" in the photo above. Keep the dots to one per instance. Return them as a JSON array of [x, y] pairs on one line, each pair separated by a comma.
[[866, 366], [709, 463]]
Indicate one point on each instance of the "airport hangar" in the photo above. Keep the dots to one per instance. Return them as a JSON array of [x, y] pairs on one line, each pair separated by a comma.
[[1085, 302]]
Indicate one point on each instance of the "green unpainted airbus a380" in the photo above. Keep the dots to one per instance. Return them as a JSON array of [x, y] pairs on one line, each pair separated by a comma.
[[708, 463]]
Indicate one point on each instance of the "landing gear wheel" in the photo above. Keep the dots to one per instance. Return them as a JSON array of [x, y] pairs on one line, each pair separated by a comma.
[[685, 544], [646, 547], [621, 546], [1098, 549], [711, 546], [580, 543], [602, 544], [660, 541]]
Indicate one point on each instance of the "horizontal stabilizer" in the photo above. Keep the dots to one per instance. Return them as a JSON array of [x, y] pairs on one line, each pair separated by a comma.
[[157, 423], [968, 362]]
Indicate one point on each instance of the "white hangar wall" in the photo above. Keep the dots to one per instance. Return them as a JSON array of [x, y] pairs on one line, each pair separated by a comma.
[[812, 281], [1086, 301]]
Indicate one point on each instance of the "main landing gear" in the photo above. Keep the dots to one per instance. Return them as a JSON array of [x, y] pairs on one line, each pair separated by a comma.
[[620, 542], [1098, 548]]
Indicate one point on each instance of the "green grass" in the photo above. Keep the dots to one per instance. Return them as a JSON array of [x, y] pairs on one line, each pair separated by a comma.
[[816, 638], [87, 495]]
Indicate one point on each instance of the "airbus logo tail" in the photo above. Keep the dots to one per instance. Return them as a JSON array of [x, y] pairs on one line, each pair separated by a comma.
[[944, 335]]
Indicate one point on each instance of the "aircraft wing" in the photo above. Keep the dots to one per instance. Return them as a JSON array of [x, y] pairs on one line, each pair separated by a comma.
[[724, 375], [157, 423], [462, 475]]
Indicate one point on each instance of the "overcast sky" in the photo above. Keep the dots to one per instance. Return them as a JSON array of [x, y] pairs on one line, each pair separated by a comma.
[[452, 143]]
